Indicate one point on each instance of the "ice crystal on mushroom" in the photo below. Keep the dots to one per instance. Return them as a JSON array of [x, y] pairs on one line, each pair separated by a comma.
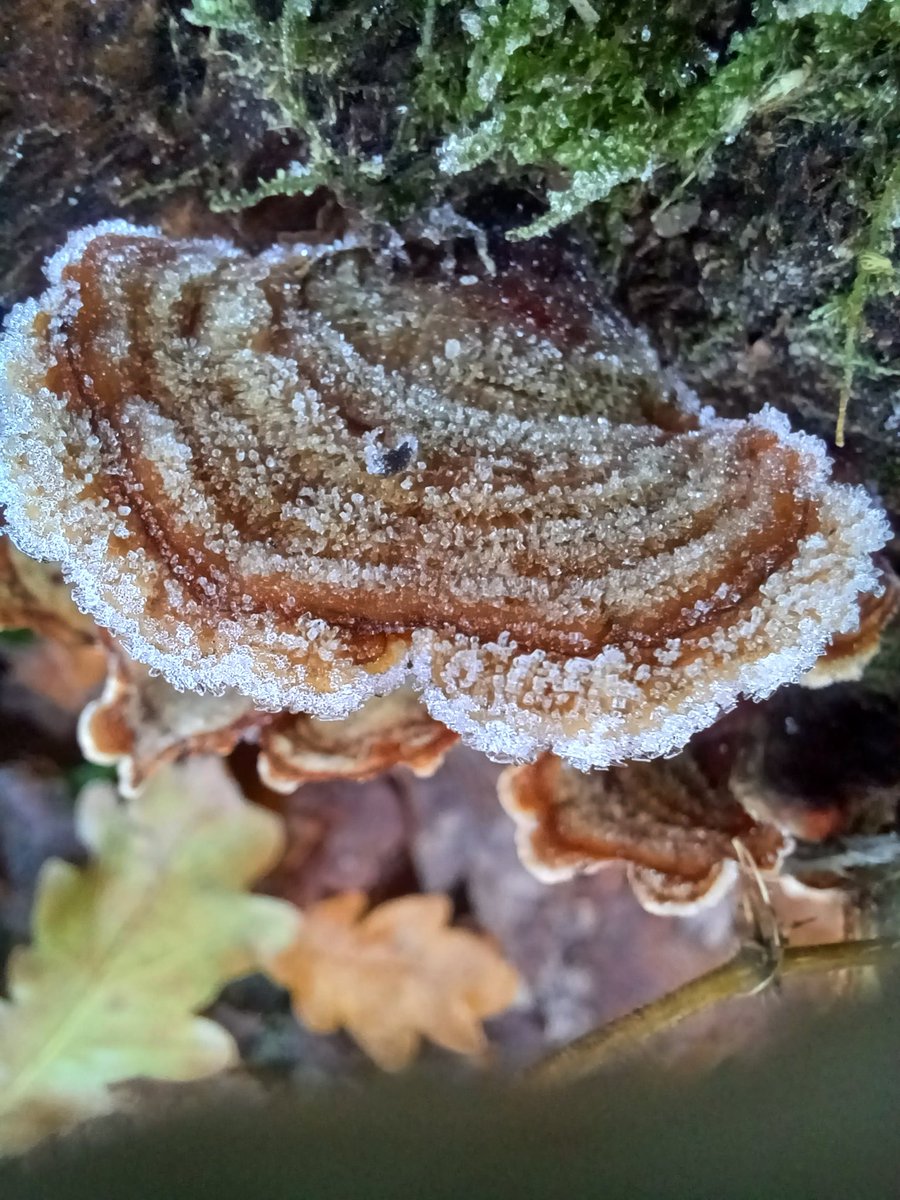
[[848, 654], [555, 549], [140, 722]]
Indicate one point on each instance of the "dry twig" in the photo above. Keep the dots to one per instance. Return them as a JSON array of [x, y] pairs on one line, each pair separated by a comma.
[[749, 971]]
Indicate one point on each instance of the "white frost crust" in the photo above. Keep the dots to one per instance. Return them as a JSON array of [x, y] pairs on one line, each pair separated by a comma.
[[800, 607], [117, 603], [726, 877]]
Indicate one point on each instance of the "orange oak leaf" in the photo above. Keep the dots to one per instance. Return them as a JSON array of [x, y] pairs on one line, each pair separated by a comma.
[[388, 731], [676, 830], [394, 976]]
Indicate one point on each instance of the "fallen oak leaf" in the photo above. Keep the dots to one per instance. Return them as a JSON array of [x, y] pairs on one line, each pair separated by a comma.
[[125, 951], [394, 976]]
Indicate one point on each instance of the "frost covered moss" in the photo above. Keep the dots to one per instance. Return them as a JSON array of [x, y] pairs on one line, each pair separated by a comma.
[[396, 104], [355, 83], [842, 319], [603, 103], [394, 99]]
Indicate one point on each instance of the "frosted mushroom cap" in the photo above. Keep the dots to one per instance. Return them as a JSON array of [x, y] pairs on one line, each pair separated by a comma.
[[679, 833], [140, 723], [312, 478], [848, 654], [386, 732]]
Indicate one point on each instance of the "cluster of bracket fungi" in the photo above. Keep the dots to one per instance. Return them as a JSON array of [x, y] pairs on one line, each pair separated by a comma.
[[353, 511]]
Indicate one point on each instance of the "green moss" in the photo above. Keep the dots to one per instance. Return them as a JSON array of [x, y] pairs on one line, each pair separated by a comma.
[[84, 773], [841, 321], [392, 100], [359, 84], [16, 637], [606, 104]]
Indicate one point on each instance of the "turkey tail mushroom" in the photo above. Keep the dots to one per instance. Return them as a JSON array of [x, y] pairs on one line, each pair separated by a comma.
[[680, 834], [312, 477]]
